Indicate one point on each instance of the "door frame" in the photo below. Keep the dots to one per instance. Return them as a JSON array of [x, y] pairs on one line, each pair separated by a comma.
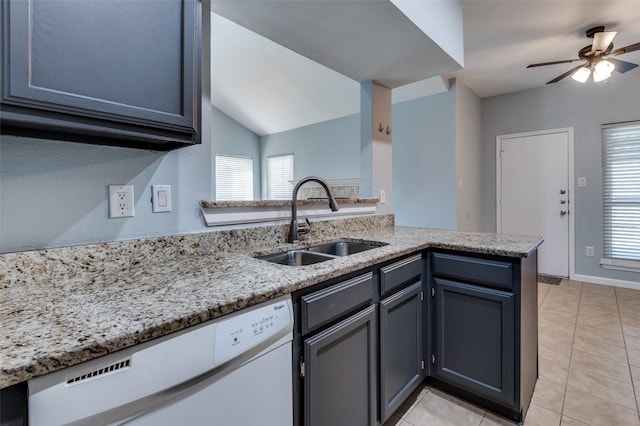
[[572, 204]]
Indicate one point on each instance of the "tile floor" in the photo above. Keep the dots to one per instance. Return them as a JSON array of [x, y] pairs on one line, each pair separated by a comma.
[[589, 365]]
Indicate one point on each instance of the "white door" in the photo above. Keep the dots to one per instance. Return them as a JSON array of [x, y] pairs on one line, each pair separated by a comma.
[[533, 193]]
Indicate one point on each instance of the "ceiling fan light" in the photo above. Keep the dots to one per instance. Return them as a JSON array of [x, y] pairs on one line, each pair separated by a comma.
[[600, 76], [602, 70], [604, 67], [582, 74]]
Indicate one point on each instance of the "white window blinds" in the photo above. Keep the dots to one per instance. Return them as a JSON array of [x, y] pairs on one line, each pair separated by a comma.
[[621, 190], [234, 178], [279, 176]]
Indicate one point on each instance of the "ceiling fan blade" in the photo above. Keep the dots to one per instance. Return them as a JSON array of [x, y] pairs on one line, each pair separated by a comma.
[[544, 64], [602, 40], [626, 49], [622, 66], [566, 74]]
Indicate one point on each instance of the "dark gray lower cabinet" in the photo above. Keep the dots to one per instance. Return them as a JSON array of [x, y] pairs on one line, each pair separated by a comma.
[[340, 373], [401, 356], [467, 322], [485, 328], [359, 357], [474, 339]]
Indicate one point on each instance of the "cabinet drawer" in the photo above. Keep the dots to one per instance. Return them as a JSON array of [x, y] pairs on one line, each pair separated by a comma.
[[395, 276], [493, 273], [331, 303]]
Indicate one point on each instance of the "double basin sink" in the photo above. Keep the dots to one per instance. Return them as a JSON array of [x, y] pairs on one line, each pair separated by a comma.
[[320, 253]]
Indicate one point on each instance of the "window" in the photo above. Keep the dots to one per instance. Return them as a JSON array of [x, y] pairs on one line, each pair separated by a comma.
[[621, 194], [234, 178], [279, 177]]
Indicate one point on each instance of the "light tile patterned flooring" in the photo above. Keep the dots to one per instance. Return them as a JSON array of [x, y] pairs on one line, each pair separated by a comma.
[[589, 365]]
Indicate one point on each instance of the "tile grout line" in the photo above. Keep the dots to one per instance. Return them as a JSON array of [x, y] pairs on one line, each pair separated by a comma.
[[575, 328], [544, 296], [624, 339], [595, 396], [413, 406]]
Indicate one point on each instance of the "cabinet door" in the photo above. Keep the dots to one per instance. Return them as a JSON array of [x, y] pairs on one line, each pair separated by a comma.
[[474, 339], [400, 347], [127, 70], [340, 373]]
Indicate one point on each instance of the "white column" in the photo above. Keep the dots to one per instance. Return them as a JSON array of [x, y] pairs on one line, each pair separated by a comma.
[[375, 145]]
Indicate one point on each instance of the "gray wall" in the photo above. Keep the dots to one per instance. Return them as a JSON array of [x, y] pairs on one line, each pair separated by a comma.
[[55, 193], [585, 107], [231, 138], [424, 159], [330, 149]]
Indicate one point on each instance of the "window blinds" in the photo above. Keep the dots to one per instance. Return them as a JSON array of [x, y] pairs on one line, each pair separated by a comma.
[[234, 178], [621, 190], [279, 176]]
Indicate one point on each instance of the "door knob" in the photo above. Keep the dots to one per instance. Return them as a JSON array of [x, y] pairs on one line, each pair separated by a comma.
[[562, 191], [563, 201], [563, 212]]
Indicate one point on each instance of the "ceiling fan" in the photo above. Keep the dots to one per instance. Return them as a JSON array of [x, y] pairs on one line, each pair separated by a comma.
[[596, 58]]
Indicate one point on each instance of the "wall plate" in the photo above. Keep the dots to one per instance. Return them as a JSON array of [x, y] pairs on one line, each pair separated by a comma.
[[121, 201], [161, 198]]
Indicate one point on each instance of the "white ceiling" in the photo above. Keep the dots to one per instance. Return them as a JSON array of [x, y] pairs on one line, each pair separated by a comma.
[[502, 37], [269, 88]]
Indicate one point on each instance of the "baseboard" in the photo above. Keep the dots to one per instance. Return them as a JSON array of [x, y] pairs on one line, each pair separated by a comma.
[[606, 281]]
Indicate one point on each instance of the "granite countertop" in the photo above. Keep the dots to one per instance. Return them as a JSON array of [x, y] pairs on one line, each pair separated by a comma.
[[60, 307], [283, 203]]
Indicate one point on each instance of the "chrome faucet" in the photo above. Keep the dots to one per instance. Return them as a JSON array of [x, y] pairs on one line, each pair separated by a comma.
[[295, 229]]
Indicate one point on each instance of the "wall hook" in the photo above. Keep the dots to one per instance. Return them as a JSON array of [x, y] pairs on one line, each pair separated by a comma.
[[380, 128], [388, 132]]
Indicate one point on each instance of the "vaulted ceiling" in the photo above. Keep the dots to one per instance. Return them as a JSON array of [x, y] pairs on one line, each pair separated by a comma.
[[269, 88]]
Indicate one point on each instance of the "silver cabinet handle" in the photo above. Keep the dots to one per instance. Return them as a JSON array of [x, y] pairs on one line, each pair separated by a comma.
[[563, 201], [562, 191], [563, 212]]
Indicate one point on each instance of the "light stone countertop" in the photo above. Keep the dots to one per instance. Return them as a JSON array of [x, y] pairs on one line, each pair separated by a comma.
[[283, 203], [60, 307]]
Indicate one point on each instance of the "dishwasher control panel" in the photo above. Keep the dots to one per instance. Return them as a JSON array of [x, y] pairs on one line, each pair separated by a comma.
[[240, 333]]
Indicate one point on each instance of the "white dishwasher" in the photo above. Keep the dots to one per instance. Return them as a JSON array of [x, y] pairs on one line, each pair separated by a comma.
[[233, 371]]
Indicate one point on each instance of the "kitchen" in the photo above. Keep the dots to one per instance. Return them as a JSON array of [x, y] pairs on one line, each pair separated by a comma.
[[41, 173]]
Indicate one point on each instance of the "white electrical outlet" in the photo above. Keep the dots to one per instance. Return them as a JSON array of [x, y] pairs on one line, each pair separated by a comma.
[[161, 198], [589, 251], [121, 201], [582, 181]]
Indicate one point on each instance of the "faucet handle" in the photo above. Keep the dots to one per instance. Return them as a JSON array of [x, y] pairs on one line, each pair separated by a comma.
[[304, 228]]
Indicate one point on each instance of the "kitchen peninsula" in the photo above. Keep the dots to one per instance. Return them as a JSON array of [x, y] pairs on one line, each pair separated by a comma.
[[63, 306]]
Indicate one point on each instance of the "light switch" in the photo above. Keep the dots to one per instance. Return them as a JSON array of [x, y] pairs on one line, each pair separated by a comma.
[[161, 198], [582, 181]]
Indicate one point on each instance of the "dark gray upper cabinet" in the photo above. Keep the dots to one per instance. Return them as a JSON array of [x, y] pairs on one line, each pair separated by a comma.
[[122, 73]]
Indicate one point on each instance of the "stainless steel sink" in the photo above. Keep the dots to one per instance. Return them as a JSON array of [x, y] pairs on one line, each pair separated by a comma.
[[344, 248], [297, 258], [320, 252]]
